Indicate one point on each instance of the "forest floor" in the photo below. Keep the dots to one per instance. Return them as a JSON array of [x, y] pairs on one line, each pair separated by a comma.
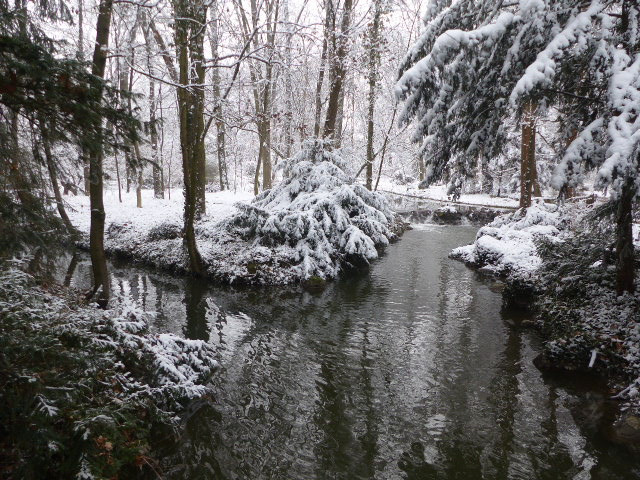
[[306, 229], [154, 210]]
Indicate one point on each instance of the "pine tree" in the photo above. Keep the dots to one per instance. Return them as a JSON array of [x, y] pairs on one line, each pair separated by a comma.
[[457, 79]]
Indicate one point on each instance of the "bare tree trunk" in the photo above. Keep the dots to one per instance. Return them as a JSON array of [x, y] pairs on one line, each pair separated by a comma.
[[528, 155], [288, 89], [190, 19], [158, 190], [329, 15], [338, 69], [625, 261], [101, 284], [118, 179], [80, 55], [374, 60], [53, 175], [217, 99], [256, 177], [625, 268]]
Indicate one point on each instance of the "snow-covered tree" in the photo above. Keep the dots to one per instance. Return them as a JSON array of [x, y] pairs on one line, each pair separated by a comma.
[[593, 63], [316, 221], [457, 79]]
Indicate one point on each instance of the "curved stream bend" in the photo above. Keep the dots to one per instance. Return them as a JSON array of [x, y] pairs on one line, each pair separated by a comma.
[[412, 371]]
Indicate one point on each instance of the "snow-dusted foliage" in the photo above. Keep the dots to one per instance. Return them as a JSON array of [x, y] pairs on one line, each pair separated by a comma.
[[478, 63], [590, 68], [507, 246], [81, 387], [587, 324], [316, 221], [456, 80]]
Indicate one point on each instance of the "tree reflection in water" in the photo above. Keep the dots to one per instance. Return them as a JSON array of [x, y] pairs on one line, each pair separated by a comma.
[[409, 372]]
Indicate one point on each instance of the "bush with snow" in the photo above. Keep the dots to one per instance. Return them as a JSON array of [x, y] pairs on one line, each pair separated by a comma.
[[580, 312], [313, 224], [507, 246], [81, 388]]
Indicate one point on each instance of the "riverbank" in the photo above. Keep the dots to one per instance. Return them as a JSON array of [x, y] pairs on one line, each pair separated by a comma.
[[83, 391], [313, 225], [559, 264]]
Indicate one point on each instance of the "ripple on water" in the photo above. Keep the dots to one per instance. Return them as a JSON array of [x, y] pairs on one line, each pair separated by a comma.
[[393, 375]]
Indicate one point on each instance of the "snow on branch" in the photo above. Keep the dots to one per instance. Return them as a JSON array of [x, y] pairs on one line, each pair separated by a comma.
[[624, 127], [542, 71], [448, 43], [583, 148], [311, 224]]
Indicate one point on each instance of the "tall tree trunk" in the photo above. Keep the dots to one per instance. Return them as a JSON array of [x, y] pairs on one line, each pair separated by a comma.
[[338, 69], [528, 155], [374, 58], [256, 177], [158, 190], [118, 179], [190, 18], [323, 67], [288, 88], [53, 175], [101, 284], [625, 268], [80, 55], [265, 148], [217, 99], [139, 188], [625, 261]]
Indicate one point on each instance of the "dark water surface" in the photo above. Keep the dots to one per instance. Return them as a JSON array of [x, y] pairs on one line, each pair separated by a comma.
[[411, 372]]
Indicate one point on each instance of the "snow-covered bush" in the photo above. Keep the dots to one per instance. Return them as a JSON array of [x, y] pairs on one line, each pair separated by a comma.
[[401, 178], [580, 312], [313, 224], [507, 246], [81, 388]]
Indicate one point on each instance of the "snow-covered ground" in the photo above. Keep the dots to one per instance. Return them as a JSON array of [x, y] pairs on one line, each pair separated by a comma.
[[439, 192], [154, 211], [310, 226]]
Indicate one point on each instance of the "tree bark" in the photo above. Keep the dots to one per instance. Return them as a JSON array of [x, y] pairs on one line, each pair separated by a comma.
[[214, 39], [374, 57], [528, 174], [53, 175], [190, 19], [338, 69], [158, 188], [323, 67], [625, 268], [625, 261], [101, 284]]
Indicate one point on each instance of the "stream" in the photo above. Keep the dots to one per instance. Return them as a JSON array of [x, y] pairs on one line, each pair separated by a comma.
[[413, 371]]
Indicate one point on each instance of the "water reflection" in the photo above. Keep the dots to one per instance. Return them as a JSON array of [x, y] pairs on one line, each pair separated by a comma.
[[410, 372]]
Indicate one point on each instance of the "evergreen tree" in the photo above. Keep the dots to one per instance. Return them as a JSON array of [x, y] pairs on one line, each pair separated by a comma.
[[457, 79]]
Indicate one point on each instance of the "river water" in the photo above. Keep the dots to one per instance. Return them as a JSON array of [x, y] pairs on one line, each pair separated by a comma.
[[413, 371]]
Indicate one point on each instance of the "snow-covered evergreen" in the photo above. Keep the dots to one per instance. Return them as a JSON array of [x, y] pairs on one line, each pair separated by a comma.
[[314, 223], [81, 386]]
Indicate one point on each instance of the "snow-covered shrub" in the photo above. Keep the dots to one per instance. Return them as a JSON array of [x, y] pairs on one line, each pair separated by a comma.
[[507, 246], [580, 312], [81, 388], [401, 178], [316, 221], [165, 231]]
